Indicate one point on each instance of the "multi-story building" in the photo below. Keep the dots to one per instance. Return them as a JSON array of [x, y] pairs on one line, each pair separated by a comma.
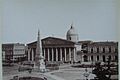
[[63, 50], [73, 50], [7, 52], [18, 51], [98, 51], [13, 51]]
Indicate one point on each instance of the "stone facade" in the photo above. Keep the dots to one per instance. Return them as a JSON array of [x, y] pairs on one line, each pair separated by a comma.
[[13, 51], [65, 50], [72, 35], [98, 51], [54, 50]]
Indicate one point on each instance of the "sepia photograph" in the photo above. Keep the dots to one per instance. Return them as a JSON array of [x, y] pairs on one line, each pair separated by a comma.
[[59, 40]]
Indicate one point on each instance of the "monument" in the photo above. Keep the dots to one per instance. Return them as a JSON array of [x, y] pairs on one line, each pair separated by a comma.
[[39, 64]]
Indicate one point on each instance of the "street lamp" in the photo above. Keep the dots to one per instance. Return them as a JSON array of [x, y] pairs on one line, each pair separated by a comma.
[[86, 74]]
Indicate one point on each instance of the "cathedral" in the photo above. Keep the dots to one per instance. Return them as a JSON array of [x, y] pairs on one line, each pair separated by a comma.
[[71, 50]]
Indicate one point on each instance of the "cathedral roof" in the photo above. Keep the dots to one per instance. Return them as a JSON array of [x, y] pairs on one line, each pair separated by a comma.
[[104, 44], [71, 31], [53, 41]]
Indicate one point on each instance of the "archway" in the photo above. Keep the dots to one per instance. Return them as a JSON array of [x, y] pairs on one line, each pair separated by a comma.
[[104, 58], [85, 57]]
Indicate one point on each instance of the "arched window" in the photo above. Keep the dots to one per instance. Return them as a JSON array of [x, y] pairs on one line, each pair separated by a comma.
[[91, 50], [97, 50], [103, 50], [109, 57], [92, 58], [69, 38], [109, 49], [97, 58], [103, 58], [85, 58]]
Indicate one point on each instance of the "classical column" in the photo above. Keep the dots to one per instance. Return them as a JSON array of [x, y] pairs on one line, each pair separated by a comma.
[[28, 54], [90, 58], [82, 58], [112, 57], [60, 54], [70, 54], [65, 53], [56, 54], [96, 58], [44, 54], [52, 55], [32, 55], [74, 54], [101, 58], [48, 54]]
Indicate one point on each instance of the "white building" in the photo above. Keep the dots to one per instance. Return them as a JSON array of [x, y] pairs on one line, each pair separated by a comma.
[[18, 51]]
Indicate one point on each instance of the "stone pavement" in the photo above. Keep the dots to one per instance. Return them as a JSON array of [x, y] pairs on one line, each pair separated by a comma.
[[73, 74], [64, 73], [33, 74], [69, 73]]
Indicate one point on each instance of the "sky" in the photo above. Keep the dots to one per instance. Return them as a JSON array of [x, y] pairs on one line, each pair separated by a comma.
[[92, 19]]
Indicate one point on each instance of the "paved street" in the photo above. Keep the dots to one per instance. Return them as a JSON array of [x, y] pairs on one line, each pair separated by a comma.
[[64, 73]]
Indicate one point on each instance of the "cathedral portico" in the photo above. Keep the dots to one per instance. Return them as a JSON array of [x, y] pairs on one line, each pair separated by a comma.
[[55, 50]]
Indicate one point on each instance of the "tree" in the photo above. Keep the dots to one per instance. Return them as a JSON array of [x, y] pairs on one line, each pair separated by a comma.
[[101, 73]]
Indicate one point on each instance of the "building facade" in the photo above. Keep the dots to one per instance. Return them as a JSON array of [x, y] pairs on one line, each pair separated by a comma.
[[7, 52], [98, 51], [54, 50], [73, 50], [13, 51], [64, 50]]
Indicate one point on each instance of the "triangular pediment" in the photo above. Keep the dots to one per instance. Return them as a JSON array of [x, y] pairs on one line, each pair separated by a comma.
[[56, 41], [52, 41]]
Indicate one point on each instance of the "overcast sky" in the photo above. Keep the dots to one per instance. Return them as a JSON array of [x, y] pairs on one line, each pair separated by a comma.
[[93, 19]]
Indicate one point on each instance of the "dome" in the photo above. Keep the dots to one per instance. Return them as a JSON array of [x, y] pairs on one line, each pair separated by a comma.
[[71, 31], [72, 35]]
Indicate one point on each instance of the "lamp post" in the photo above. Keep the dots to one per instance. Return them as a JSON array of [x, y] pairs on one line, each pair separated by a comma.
[[86, 74]]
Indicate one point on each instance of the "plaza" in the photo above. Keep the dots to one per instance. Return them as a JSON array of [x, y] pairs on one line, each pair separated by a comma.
[[63, 55], [65, 72]]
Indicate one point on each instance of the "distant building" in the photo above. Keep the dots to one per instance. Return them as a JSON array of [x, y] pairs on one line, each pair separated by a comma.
[[63, 50], [13, 51], [7, 51], [54, 50], [73, 50], [98, 51]]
